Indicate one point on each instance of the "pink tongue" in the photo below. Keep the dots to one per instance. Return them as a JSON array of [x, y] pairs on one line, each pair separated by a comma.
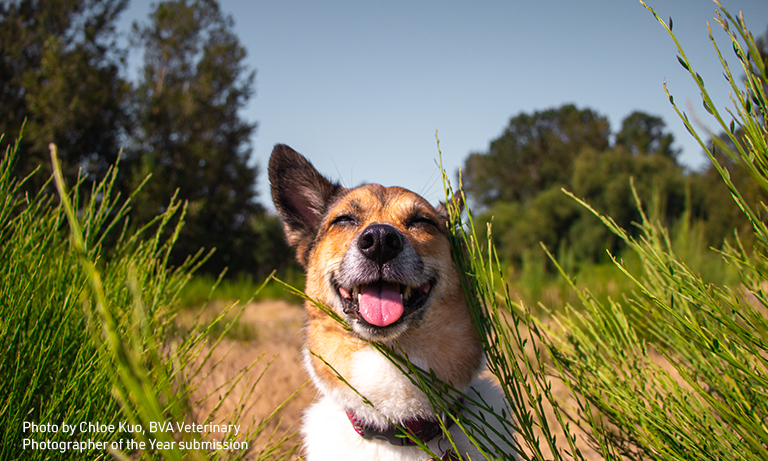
[[380, 304]]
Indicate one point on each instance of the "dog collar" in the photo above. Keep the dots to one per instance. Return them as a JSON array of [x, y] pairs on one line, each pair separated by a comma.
[[422, 429]]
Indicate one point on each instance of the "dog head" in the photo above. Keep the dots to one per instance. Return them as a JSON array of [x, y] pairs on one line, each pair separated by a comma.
[[379, 256]]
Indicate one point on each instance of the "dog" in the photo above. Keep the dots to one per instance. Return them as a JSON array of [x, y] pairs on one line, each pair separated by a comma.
[[380, 258]]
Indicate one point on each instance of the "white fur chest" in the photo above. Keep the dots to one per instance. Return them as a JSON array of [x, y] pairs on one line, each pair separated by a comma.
[[329, 435], [373, 376]]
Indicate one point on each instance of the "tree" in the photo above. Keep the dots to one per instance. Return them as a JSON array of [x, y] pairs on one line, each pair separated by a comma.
[[534, 152], [590, 168], [191, 136], [60, 71], [643, 134], [603, 179], [712, 203]]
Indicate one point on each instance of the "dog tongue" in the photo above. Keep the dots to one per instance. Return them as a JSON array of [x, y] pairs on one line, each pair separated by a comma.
[[380, 303]]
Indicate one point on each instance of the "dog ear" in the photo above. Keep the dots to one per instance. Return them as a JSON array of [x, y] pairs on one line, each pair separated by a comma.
[[456, 204], [301, 196]]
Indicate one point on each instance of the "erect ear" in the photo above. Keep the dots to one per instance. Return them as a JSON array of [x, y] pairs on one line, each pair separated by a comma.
[[456, 204], [301, 196]]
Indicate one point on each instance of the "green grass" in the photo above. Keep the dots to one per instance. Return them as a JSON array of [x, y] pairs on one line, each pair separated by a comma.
[[533, 285], [714, 405], [86, 338], [51, 370], [677, 367]]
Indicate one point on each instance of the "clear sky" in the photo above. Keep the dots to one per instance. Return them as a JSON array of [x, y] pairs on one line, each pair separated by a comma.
[[360, 87]]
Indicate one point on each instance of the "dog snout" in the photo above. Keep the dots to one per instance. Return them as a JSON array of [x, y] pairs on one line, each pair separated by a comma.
[[380, 243]]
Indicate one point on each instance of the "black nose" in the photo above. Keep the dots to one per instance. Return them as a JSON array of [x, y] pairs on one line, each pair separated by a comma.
[[380, 242]]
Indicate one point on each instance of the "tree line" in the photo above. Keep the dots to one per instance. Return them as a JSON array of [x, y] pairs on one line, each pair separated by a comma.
[[63, 72], [518, 184]]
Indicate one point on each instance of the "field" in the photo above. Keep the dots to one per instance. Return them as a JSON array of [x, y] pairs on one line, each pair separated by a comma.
[[268, 333]]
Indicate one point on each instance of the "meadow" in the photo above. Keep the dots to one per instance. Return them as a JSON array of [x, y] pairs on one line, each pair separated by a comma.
[[661, 354]]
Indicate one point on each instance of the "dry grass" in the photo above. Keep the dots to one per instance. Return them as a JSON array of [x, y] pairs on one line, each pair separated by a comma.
[[269, 332], [270, 329]]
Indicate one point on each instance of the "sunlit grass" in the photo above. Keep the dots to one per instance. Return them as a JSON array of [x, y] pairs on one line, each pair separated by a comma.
[[87, 338], [203, 288], [676, 367]]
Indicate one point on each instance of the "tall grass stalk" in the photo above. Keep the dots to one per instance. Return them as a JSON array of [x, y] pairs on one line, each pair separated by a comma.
[[87, 338], [50, 368], [506, 329], [153, 382], [677, 370]]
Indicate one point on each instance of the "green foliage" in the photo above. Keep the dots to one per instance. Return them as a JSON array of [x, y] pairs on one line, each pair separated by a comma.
[[679, 368], [711, 202], [198, 291], [547, 218], [535, 152], [191, 135], [505, 329], [60, 72], [533, 284], [710, 401], [49, 368], [602, 178], [643, 134]]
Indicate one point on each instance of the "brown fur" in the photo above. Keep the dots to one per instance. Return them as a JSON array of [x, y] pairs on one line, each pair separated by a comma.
[[309, 204], [325, 336]]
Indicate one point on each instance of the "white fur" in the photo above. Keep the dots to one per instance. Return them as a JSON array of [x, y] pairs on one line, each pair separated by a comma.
[[328, 433]]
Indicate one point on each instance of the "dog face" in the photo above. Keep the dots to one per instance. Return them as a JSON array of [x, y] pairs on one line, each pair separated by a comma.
[[377, 255]]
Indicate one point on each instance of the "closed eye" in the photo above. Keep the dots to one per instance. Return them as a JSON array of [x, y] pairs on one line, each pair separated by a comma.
[[420, 220], [343, 220]]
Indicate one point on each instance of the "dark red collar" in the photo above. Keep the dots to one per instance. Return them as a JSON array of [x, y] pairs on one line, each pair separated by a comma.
[[422, 429]]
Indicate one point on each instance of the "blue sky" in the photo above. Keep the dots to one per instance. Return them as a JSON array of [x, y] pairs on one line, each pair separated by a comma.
[[360, 87]]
